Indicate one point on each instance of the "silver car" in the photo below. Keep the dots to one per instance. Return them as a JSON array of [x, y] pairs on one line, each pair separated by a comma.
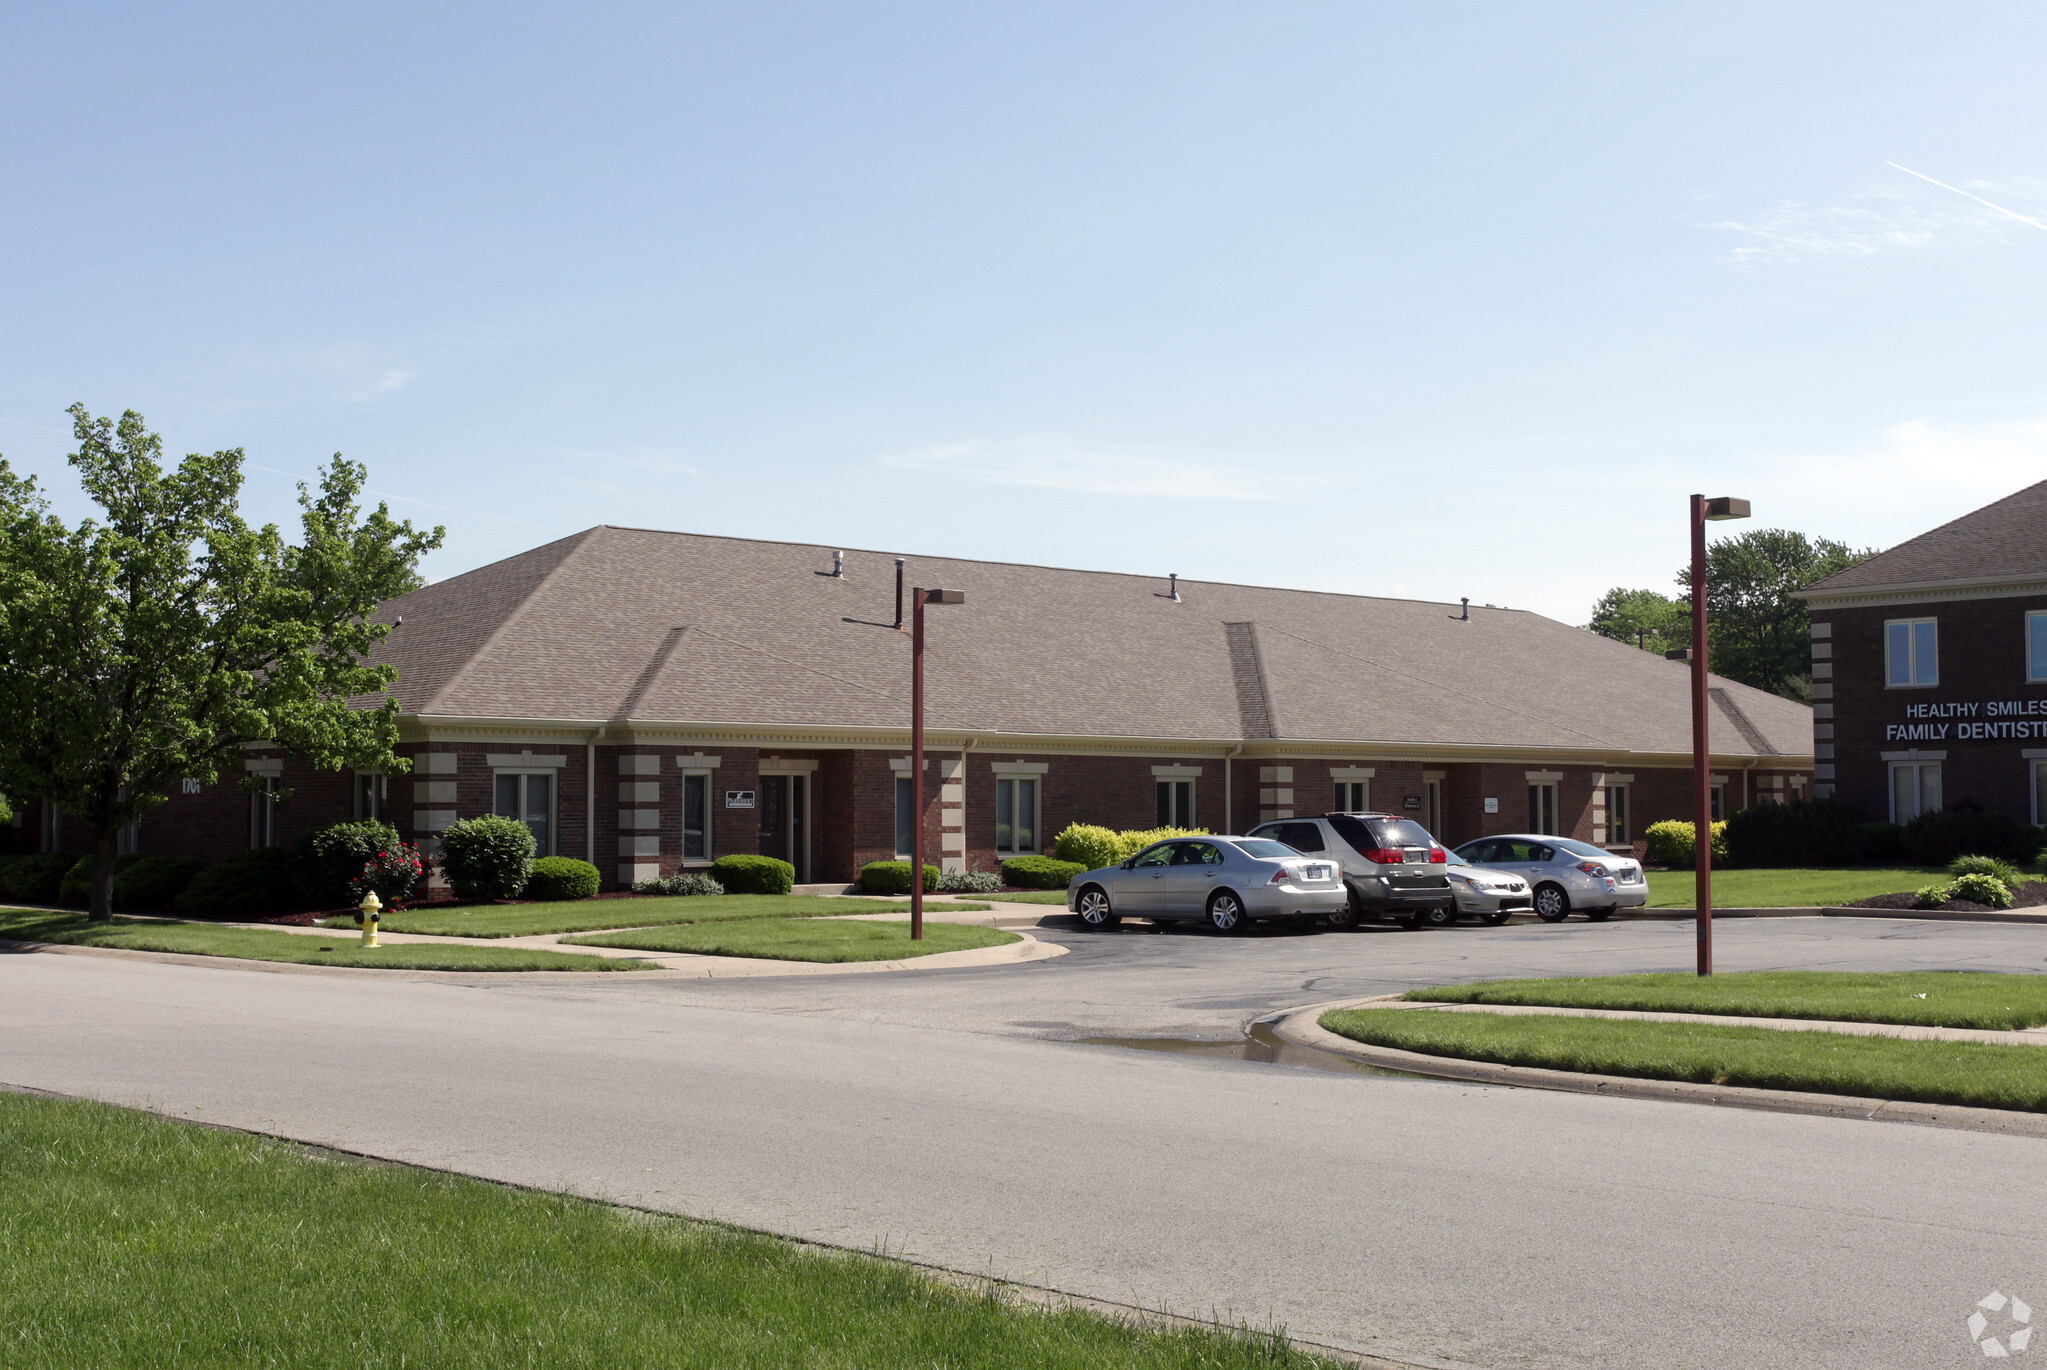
[[1228, 881], [1494, 896], [1567, 875]]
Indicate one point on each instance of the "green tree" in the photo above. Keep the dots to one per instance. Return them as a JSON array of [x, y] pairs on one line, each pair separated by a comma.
[[147, 646], [1642, 618], [1756, 632]]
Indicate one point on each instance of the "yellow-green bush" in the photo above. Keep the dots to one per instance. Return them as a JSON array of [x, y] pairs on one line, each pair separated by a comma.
[[1671, 842], [1095, 847]]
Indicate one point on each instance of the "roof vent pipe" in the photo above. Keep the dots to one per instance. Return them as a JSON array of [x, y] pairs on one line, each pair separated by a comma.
[[899, 594], [838, 566], [1465, 600], [1172, 588]]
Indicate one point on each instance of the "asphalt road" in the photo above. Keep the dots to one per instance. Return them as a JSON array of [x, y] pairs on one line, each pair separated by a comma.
[[952, 1117]]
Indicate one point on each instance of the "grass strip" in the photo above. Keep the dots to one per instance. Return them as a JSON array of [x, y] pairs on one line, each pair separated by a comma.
[[133, 1240], [584, 915], [250, 944], [803, 939], [1975, 1074], [1786, 888], [1031, 897], [1934, 998]]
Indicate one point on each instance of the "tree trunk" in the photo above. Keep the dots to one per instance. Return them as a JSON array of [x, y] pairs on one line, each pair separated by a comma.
[[104, 843]]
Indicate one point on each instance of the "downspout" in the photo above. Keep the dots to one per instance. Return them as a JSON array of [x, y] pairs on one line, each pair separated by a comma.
[[590, 795], [1229, 824], [966, 861]]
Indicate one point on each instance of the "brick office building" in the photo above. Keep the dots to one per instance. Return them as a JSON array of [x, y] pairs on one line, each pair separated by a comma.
[[1929, 668], [649, 701]]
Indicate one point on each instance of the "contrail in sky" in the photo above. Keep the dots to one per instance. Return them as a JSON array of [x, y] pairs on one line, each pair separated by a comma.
[[1977, 198]]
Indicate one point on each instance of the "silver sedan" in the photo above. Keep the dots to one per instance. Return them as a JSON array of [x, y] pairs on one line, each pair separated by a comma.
[[1229, 882], [1567, 875], [1494, 896]]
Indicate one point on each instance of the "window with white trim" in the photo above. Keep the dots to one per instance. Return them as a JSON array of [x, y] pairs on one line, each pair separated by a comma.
[[1542, 807], [1911, 653], [263, 811], [906, 816], [1617, 830], [1353, 796], [1915, 789], [696, 815], [529, 797], [2036, 646], [1176, 803], [1016, 813], [371, 790], [1717, 805]]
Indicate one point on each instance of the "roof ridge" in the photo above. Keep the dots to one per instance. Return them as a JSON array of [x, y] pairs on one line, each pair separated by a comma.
[[2018, 496], [582, 540]]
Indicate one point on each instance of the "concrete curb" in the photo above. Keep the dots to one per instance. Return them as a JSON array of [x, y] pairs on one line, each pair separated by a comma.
[[1301, 1027]]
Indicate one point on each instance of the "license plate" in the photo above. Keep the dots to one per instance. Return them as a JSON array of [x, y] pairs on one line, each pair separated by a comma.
[[1627, 877]]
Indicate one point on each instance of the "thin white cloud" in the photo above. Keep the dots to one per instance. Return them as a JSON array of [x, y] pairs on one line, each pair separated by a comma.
[[1882, 219], [1049, 462], [2008, 213]]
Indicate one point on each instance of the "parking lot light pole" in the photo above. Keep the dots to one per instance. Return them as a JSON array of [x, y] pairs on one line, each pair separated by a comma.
[[1704, 511], [918, 599]]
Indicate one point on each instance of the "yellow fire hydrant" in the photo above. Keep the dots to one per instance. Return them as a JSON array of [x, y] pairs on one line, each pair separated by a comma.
[[366, 918]]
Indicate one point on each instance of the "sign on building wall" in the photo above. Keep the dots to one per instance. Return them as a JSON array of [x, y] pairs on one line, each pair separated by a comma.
[[739, 799], [1492, 805]]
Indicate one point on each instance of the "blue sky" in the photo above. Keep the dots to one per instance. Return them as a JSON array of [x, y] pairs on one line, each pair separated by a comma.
[[1419, 300]]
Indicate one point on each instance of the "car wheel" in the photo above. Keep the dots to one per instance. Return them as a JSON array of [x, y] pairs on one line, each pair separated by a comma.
[[1495, 919], [1094, 908], [1552, 905], [1344, 919], [1226, 913], [1599, 915], [1438, 916]]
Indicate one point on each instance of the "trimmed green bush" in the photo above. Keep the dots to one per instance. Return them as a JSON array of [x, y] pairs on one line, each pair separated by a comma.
[[686, 883], [263, 880], [754, 875], [34, 879], [76, 886], [1981, 889], [1041, 872], [331, 858], [893, 877], [1934, 839], [1802, 832], [1883, 842], [1671, 842], [2004, 872], [154, 882], [487, 858], [969, 882], [561, 877]]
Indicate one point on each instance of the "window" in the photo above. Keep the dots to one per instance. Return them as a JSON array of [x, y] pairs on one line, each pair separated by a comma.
[[696, 817], [906, 816], [1160, 855], [370, 789], [2036, 646], [128, 839], [1353, 796], [1197, 854], [1911, 653], [1719, 809], [1542, 808], [2040, 793], [529, 797], [1617, 830], [1016, 814], [263, 812], [1176, 803], [1915, 789]]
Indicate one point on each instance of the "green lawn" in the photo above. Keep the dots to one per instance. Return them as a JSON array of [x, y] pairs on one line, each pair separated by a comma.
[[135, 1241], [1966, 1073], [583, 915], [1787, 888], [249, 944], [806, 939], [1031, 897], [1934, 998]]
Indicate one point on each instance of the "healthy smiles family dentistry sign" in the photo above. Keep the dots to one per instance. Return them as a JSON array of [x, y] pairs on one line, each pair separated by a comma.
[[1972, 721]]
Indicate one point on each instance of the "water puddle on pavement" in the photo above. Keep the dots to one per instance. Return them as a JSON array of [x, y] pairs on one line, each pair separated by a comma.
[[1261, 1044]]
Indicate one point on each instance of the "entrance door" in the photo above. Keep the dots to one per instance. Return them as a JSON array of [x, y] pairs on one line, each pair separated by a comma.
[[785, 821], [1433, 792]]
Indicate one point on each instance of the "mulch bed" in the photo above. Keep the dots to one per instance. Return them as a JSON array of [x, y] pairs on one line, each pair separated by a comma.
[[2031, 895]]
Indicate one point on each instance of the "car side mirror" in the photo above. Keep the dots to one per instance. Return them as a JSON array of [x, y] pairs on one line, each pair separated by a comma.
[[1126, 863]]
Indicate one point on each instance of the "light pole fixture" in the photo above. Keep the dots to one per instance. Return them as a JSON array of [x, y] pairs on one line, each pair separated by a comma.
[[1703, 511], [918, 599]]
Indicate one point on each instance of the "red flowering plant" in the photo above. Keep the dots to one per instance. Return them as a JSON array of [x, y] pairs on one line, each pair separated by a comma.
[[396, 874]]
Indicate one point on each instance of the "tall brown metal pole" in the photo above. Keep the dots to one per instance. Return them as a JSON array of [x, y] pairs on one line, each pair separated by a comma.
[[1702, 759], [917, 765]]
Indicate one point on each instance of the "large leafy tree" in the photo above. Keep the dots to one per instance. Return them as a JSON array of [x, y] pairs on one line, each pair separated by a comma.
[[1642, 618], [148, 645], [1756, 632]]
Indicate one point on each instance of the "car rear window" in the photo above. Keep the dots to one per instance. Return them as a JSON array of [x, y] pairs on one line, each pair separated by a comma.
[[1368, 833], [1583, 849], [1266, 850]]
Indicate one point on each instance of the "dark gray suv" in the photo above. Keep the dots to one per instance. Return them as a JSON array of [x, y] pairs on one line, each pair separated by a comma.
[[1391, 865]]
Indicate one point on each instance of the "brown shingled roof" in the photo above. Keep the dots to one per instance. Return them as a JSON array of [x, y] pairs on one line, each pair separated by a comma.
[[655, 627], [2008, 538]]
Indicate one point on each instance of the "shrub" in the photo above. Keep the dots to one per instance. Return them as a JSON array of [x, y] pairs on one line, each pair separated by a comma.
[[1041, 872], [893, 877], [1802, 832], [487, 858], [154, 882], [76, 886], [1671, 841], [688, 882], [969, 882], [754, 874], [332, 858], [1934, 839], [34, 879], [1987, 890], [1134, 840], [394, 875], [561, 877], [1930, 896], [2004, 872], [263, 880], [1883, 842], [1089, 845]]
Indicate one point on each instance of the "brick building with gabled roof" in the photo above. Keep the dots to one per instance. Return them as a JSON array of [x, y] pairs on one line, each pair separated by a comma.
[[651, 700]]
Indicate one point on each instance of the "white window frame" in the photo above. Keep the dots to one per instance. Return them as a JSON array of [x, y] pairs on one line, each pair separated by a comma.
[[380, 808], [708, 779], [1717, 801], [554, 801], [1918, 769], [2036, 663], [263, 812], [1627, 805], [902, 815], [1037, 784], [1347, 790], [1534, 825], [1172, 802], [1911, 627]]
